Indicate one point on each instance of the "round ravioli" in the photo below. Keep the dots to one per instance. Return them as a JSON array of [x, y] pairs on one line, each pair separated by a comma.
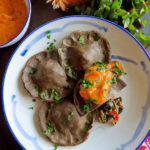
[[44, 78], [84, 106], [62, 124], [80, 49]]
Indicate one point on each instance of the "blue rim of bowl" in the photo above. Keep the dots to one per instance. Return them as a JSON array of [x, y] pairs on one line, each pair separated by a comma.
[[29, 14], [78, 16]]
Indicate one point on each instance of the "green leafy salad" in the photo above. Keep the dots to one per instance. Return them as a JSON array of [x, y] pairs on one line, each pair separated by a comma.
[[127, 13]]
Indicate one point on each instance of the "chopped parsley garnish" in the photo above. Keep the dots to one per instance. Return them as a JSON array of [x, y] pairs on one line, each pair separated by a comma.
[[54, 92], [37, 88], [30, 108], [74, 74], [117, 70], [69, 69], [69, 116], [104, 118], [33, 100], [32, 71], [82, 43], [100, 68], [42, 95], [100, 63], [86, 83], [47, 32], [92, 99], [51, 46], [68, 87], [55, 147], [86, 108], [107, 81], [56, 98], [114, 80], [89, 70], [50, 129], [63, 50], [81, 39], [97, 37], [48, 36]]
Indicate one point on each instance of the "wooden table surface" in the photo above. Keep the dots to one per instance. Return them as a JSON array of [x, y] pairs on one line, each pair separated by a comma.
[[41, 13]]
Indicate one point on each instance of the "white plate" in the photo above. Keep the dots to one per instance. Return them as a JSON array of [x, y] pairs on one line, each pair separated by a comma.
[[135, 119]]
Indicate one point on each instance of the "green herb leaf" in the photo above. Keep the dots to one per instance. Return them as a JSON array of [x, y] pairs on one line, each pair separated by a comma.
[[56, 98], [30, 108], [51, 46], [37, 88], [50, 129], [86, 83], [92, 99], [63, 50], [47, 32], [82, 43], [86, 108], [126, 13], [55, 147], [69, 116], [114, 80], [81, 38], [97, 37], [68, 87], [89, 70], [32, 71], [69, 69], [33, 100], [48, 36]]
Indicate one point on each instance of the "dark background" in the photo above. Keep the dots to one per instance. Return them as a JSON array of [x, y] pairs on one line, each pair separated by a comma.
[[41, 13]]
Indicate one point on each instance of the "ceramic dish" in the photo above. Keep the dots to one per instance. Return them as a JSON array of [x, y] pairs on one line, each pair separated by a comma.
[[135, 119], [23, 30]]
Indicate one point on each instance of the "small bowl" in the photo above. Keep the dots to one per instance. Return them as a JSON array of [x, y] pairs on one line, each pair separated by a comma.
[[23, 30]]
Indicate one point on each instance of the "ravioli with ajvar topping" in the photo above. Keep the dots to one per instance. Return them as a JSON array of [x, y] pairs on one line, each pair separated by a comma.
[[98, 80], [77, 84]]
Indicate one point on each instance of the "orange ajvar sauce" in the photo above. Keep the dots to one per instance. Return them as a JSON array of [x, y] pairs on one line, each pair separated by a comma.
[[101, 76], [13, 15]]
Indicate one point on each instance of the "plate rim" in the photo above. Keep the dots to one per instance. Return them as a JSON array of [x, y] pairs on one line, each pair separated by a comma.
[[60, 18]]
